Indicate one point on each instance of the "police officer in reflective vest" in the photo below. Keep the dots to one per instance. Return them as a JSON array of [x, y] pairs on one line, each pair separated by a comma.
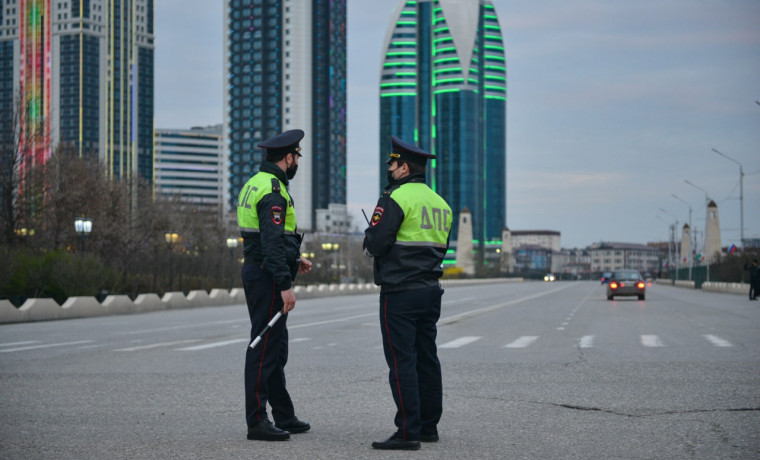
[[267, 222], [408, 236]]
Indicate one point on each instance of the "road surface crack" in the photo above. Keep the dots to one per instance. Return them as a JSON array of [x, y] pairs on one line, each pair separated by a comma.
[[653, 414]]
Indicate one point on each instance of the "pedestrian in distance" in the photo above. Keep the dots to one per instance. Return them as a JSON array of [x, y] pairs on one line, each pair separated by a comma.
[[754, 278], [271, 247], [408, 236]]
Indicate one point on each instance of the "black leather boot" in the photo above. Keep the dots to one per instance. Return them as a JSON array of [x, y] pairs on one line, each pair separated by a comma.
[[265, 431]]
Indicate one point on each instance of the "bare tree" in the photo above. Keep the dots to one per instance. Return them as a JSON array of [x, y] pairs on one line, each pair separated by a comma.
[[10, 160]]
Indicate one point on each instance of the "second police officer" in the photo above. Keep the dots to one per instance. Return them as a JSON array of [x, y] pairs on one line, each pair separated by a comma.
[[267, 222], [408, 236]]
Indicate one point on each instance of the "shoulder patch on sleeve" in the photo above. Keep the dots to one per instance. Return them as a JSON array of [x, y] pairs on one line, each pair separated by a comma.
[[276, 215], [275, 185], [377, 215]]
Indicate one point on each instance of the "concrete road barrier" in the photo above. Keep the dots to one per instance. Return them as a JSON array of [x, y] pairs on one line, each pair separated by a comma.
[[729, 288]]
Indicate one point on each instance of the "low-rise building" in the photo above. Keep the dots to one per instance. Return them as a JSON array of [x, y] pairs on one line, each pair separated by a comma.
[[609, 256]]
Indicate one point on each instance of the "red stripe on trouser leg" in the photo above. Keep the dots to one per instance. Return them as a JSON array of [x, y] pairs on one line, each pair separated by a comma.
[[263, 350], [395, 365]]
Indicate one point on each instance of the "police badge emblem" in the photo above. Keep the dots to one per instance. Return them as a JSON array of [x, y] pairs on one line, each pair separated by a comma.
[[277, 215], [377, 215]]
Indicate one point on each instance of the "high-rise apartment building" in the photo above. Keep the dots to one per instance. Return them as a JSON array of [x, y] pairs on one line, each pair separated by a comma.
[[81, 72], [443, 86], [285, 69]]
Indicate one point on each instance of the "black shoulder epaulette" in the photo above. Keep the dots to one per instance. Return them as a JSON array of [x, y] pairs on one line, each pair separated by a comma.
[[275, 185]]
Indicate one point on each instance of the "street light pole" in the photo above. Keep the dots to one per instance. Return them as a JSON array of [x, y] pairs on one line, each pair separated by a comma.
[[707, 198], [83, 227], [691, 250], [171, 238], [232, 243], [673, 239], [741, 192]]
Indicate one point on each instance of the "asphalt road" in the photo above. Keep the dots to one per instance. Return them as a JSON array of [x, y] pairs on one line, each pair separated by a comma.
[[531, 370]]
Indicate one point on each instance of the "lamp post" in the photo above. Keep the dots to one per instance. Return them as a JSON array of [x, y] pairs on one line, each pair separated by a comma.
[[171, 239], [673, 239], [741, 192], [691, 250], [670, 257], [83, 227], [232, 243], [707, 198], [332, 249]]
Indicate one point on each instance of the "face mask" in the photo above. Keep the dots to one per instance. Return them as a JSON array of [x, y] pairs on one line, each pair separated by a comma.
[[291, 172], [389, 177]]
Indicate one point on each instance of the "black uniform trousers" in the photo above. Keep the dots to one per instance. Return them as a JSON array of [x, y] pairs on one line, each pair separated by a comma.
[[408, 325], [265, 364]]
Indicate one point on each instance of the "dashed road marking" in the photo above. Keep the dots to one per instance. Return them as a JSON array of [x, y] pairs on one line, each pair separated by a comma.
[[522, 342], [460, 342], [651, 341], [15, 344], [49, 345], [587, 341], [158, 345], [213, 345], [717, 341]]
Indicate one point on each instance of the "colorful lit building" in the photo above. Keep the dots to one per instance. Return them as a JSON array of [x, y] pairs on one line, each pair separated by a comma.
[[286, 69], [443, 86], [83, 70]]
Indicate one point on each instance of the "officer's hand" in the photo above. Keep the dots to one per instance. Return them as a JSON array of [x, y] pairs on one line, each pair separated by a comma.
[[304, 266], [288, 300]]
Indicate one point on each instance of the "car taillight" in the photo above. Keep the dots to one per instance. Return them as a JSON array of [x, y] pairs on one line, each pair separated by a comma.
[[613, 285], [640, 285]]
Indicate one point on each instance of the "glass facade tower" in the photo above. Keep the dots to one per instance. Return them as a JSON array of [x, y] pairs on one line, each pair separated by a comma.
[[83, 72], [443, 86], [286, 69]]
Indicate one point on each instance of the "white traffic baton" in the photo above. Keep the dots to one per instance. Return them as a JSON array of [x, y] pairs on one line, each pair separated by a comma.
[[269, 326]]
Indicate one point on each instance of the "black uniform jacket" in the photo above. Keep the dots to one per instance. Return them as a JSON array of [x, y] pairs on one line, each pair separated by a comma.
[[275, 251], [398, 267]]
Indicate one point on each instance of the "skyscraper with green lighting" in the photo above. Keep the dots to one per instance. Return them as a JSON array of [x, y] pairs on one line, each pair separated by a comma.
[[443, 86]]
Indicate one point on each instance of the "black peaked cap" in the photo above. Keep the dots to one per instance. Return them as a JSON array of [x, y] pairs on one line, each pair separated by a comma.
[[406, 152], [283, 143]]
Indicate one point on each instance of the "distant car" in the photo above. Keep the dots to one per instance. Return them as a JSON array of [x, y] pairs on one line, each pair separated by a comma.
[[626, 283], [550, 277], [606, 277]]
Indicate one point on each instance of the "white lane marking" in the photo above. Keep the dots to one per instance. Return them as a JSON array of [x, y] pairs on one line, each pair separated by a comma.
[[651, 341], [460, 342], [158, 345], [717, 341], [301, 339], [587, 341], [329, 321], [15, 344], [186, 326], [522, 342], [457, 317], [213, 345], [459, 301], [561, 328], [49, 345]]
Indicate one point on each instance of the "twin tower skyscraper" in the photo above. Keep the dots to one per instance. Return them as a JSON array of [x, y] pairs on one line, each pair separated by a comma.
[[442, 87]]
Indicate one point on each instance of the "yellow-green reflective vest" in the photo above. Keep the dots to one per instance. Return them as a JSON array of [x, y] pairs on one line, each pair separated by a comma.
[[253, 191], [427, 217]]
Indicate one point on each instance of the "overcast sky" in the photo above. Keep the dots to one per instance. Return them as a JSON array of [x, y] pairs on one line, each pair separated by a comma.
[[612, 104]]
